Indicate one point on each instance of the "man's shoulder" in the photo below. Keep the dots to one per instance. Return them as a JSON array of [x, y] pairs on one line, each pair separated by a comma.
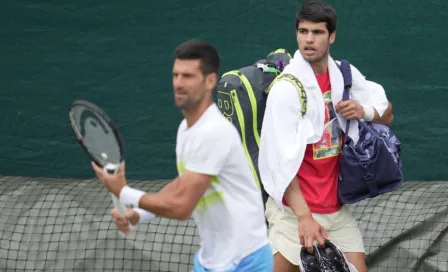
[[216, 126], [283, 93], [219, 127], [283, 89], [354, 70]]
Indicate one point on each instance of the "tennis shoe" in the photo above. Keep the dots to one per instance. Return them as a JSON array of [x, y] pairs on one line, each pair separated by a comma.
[[311, 262], [333, 258]]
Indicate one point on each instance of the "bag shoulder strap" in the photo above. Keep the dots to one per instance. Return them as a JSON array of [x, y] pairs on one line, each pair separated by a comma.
[[347, 75], [346, 71], [297, 84]]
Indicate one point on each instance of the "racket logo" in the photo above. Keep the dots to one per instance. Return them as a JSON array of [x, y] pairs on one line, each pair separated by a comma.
[[85, 116]]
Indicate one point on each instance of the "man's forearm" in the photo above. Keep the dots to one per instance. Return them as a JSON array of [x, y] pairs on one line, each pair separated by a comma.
[[168, 202], [170, 187], [385, 119], [165, 204], [296, 201]]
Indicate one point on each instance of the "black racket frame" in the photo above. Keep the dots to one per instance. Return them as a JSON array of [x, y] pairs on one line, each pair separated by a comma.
[[97, 110]]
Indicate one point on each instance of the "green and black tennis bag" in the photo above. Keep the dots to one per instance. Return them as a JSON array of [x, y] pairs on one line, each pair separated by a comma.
[[241, 97]]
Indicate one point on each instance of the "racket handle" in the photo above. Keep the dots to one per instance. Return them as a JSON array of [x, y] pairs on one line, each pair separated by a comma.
[[121, 208], [118, 205]]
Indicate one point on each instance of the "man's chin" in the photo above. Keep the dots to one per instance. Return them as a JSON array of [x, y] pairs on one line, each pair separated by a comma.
[[178, 104], [182, 105], [186, 105], [310, 59]]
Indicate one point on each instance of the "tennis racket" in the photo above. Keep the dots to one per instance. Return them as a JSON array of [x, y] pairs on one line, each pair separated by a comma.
[[99, 137]]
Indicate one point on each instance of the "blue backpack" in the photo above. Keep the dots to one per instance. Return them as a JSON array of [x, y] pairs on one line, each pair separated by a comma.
[[373, 165]]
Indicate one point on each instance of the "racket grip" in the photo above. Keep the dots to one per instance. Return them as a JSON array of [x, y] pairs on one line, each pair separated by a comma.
[[121, 208], [118, 205]]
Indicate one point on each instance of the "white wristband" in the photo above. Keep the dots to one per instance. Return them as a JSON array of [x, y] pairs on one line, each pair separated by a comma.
[[369, 113], [130, 197], [145, 216]]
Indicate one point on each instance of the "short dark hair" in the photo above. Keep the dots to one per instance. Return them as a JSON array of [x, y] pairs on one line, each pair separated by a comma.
[[317, 11], [196, 49]]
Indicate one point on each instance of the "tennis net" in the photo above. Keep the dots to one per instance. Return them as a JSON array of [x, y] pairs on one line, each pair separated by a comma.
[[65, 225]]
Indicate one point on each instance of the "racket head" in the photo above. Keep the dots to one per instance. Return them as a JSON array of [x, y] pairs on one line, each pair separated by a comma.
[[97, 134]]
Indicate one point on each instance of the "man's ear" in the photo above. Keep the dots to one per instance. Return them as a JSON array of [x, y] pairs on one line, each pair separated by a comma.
[[211, 80], [332, 37]]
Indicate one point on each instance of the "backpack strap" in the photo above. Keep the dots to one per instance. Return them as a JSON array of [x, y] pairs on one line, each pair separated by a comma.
[[347, 75], [297, 84]]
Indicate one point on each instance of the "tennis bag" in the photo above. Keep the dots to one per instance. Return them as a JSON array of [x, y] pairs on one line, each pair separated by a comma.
[[373, 165], [241, 97]]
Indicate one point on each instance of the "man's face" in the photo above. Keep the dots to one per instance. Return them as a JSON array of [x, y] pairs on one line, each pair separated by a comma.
[[189, 84], [314, 41]]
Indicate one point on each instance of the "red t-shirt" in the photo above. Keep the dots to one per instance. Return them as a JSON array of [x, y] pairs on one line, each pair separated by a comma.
[[318, 173]]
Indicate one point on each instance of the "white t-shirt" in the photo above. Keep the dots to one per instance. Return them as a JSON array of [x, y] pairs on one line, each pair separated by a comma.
[[230, 215]]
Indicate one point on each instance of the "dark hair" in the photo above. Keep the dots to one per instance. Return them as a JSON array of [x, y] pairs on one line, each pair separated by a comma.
[[318, 12], [196, 49]]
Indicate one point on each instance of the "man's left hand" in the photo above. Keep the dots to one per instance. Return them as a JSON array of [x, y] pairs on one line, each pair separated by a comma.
[[113, 182], [350, 110]]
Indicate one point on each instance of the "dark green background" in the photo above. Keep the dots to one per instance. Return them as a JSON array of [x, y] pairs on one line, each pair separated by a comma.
[[119, 55]]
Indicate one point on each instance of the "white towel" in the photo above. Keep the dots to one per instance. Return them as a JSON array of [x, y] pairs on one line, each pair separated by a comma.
[[285, 133]]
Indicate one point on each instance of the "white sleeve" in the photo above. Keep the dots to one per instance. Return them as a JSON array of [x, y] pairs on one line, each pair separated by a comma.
[[209, 152], [368, 92], [378, 97], [283, 139]]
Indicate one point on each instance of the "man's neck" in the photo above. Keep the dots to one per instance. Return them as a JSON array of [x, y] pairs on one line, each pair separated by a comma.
[[320, 67], [192, 116]]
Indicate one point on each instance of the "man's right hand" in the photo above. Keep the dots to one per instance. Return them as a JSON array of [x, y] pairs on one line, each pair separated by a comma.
[[122, 222], [309, 231]]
